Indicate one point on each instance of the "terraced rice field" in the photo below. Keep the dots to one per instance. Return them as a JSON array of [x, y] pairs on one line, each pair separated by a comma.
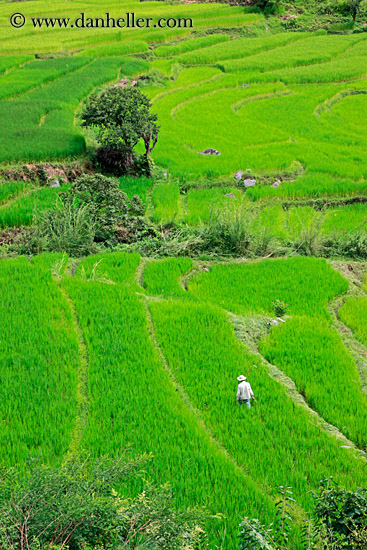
[[140, 325], [82, 340]]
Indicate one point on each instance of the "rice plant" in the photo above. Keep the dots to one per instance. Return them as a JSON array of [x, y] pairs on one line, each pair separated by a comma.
[[306, 284], [161, 277], [39, 361], [354, 315], [133, 401], [313, 355], [275, 439]]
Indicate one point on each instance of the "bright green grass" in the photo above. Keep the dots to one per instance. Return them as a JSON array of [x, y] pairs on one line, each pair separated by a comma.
[[36, 73], [117, 48], [308, 51], [306, 284], [26, 40], [118, 267], [7, 63], [33, 121], [161, 277], [275, 440], [10, 189], [313, 355], [38, 366], [189, 45], [242, 47], [346, 218], [166, 201], [21, 211], [354, 314], [136, 186], [315, 185], [201, 204], [132, 401]]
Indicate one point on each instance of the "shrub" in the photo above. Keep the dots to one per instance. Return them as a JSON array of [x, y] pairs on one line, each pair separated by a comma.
[[115, 160], [280, 308], [79, 505], [230, 229], [339, 521], [108, 206]]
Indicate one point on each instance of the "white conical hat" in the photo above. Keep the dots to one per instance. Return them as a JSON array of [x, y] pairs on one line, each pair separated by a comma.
[[241, 378]]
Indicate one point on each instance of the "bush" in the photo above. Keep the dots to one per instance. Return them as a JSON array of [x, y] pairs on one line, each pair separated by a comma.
[[339, 522], [280, 308], [79, 506], [69, 229], [115, 161], [108, 205]]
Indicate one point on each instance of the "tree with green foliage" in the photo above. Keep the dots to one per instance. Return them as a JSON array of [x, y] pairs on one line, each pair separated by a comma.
[[122, 117], [266, 5], [80, 506], [355, 8]]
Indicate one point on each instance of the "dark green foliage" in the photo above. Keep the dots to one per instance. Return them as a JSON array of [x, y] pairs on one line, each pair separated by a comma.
[[79, 506], [269, 6], [339, 521], [108, 205], [280, 308], [342, 511], [114, 160], [122, 118]]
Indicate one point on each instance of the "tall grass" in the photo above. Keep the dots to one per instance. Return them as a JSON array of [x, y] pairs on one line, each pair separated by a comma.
[[12, 61], [36, 73], [313, 355], [306, 284], [274, 440], [161, 277], [133, 402], [22, 211], [38, 365], [166, 203], [354, 314]]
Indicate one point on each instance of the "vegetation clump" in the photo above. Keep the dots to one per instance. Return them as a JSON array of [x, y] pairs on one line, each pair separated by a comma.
[[338, 521], [93, 210], [122, 118], [80, 506]]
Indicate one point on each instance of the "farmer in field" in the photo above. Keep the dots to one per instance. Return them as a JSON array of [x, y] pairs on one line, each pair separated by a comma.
[[244, 392]]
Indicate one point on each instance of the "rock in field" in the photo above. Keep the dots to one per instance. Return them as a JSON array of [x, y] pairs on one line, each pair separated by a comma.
[[276, 183], [230, 195], [55, 183], [210, 152], [238, 175]]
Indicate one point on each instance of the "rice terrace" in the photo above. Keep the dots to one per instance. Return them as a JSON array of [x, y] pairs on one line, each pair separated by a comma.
[[183, 212]]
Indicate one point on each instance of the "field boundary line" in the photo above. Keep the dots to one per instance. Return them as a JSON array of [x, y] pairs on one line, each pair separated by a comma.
[[330, 102], [353, 345], [82, 393], [162, 95], [45, 83], [261, 97], [242, 325], [25, 193], [139, 273], [187, 401]]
